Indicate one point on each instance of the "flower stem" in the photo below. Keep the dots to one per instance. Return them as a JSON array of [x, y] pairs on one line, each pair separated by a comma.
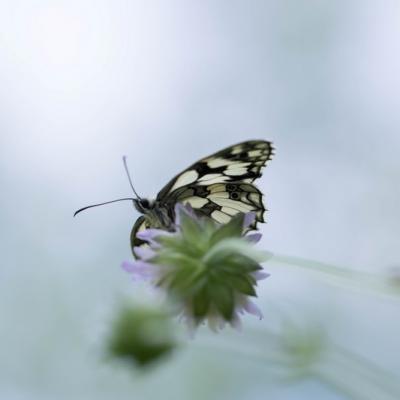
[[357, 377], [369, 371], [344, 371], [342, 276]]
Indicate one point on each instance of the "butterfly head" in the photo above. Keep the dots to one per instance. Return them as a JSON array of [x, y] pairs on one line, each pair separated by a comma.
[[143, 205]]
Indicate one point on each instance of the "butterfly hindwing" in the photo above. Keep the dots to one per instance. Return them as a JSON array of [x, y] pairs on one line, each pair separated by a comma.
[[140, 225], [221, 201]]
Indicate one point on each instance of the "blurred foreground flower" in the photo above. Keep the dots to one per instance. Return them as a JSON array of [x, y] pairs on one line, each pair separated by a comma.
[[141, 335], [208, 270]]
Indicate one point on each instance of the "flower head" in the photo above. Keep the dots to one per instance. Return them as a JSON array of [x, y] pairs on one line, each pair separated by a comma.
[[209, 270], [141, 335]]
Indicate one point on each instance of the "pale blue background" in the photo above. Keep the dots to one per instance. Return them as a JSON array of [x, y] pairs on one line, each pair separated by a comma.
[[167, 82]]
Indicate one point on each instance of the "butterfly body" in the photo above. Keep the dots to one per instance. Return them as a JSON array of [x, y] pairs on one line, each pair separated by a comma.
[[156, 214], [218, 186]]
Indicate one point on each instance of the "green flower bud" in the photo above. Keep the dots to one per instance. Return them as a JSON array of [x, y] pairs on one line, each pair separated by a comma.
[[141, 335]]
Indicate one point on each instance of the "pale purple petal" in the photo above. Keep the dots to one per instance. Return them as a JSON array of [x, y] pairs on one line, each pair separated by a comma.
[[236, 323], [139, 269], [260, 275], [249, 219], [150, 234], [128, 266], [240, 310], [215, 323], [221, 324], [191, 328], [183, 208], [144, 252], [251, 308], [253, 237]]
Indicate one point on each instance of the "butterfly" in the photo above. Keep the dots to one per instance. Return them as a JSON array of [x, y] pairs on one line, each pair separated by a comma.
[[218, 186]]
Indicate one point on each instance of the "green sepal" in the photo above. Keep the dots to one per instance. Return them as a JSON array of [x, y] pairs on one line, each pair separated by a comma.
[[173, 259], [222, 298], [201, 304], [240, 264], [234, 228], [190, 227], [185, 282], [242, 284]]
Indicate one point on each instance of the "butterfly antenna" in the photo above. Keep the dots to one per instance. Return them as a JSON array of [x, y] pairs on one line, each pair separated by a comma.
[[102, 204], [129, 177]]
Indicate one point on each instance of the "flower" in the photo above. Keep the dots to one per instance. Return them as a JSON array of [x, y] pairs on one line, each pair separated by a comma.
[[208, 270], [141, 335]]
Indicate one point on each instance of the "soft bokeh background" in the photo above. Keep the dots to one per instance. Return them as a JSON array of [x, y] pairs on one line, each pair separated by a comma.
[[167, 82]]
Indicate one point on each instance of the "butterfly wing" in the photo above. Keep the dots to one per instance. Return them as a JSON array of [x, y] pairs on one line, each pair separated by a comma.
[[140, 225], [221, 185]]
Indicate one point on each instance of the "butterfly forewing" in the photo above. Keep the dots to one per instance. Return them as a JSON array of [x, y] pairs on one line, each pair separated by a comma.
[[220, 185], [240, 163]]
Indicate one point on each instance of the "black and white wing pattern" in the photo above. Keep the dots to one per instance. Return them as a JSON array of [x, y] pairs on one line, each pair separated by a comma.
[[221, 185], [140, 225]]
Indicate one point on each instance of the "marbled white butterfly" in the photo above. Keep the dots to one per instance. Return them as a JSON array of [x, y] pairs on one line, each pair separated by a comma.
[[218, 186]]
